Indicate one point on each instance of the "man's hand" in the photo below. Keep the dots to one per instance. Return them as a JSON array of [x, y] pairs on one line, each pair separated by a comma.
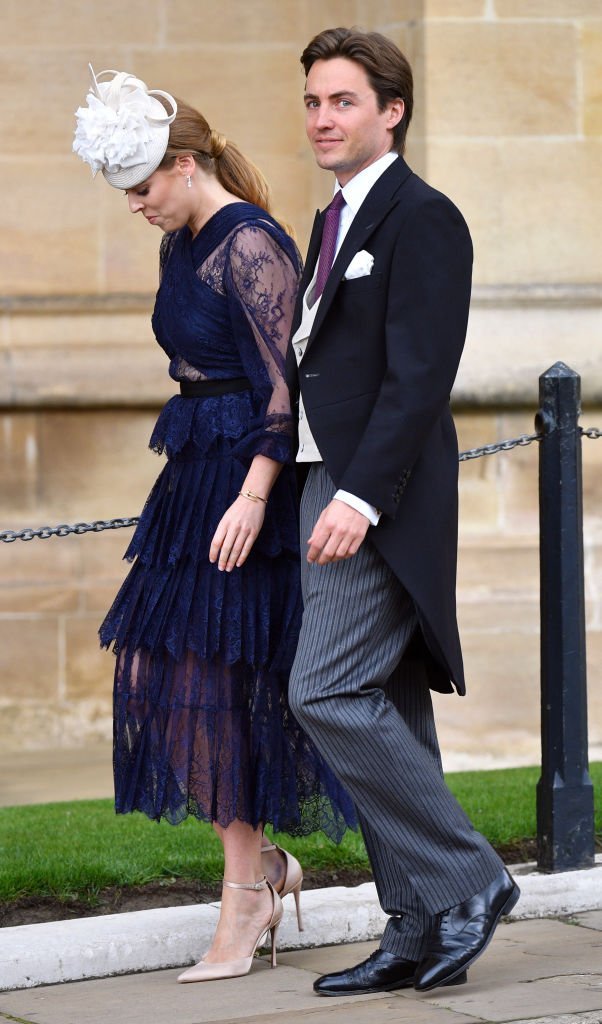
[[337, 534]]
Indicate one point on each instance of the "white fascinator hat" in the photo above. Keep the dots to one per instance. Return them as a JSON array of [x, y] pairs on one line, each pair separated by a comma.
[[124, 130]]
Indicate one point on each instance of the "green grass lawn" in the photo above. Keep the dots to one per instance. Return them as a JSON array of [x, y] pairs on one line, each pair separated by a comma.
[[73, 850]]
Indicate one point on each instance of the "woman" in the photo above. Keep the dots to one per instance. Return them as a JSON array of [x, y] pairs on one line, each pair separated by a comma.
[[205, 624]]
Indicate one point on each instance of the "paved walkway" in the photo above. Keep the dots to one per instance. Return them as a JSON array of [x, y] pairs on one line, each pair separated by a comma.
[[545, 971], [534, 971]]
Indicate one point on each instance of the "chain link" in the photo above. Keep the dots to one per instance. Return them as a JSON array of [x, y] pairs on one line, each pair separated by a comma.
[[499, 446], [63, 530], [591, 432]]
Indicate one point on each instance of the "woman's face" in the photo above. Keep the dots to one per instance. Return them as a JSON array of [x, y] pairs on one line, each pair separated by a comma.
[[163, 198]]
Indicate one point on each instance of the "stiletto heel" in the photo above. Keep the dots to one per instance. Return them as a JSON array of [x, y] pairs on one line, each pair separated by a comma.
[[297, 894], [204, 971], [273, 938], [293, 878]]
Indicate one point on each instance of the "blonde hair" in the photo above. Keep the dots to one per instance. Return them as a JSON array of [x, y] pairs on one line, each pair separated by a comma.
[[190, 133]]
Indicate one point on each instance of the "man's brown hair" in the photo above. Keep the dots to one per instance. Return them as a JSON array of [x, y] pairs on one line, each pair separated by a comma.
[[388, 71]]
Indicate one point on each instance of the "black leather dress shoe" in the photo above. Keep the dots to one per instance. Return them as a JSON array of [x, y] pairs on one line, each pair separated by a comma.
[[381, 972], [463, 932]]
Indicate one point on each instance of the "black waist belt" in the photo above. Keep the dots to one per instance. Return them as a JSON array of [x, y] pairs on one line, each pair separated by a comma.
[[210, 388]]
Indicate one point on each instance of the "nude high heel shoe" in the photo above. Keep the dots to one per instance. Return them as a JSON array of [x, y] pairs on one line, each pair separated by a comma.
[[204, 971], [293, 879]]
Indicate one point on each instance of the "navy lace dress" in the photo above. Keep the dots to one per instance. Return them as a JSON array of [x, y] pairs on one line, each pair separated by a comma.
[[201, 720]]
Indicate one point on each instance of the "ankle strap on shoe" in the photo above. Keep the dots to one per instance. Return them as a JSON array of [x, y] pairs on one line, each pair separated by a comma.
[[248, 885]]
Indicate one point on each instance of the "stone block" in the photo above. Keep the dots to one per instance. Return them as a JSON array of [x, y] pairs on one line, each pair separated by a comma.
[[519, 479], [591, 451], [469, 174], [43, 88], [87, 720], [88, 670], [454, 8], [511, 343], [498, 568], [29, 658], [530, 977], [125, 330], [496, 612], [594, 690], [95, 465], [229, 87], [250, 25], [90, 375], [18, 465], [478, 479], [55, 561], [85, 23], [102, 556], [48, 237], [539, 177], [39, 576], [483, 79], [547, 9], [292, 202], [29, 725], [475, 429], [593, 579], [385, 15], [39, 597], [97, 598], [48, 776], [6, 390], [506, 194], [591, 54], [502, 678], [129, 246]]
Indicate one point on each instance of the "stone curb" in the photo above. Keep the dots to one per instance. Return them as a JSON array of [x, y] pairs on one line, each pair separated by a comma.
[[150, 940]]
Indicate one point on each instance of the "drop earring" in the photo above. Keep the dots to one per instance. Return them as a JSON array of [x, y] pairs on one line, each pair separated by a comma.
[[188, 181]]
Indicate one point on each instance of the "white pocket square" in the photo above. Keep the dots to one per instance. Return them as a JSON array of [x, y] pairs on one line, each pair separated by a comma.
[[360, 266]]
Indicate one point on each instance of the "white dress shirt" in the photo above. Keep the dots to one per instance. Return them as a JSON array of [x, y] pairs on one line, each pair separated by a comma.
[[354, 193]]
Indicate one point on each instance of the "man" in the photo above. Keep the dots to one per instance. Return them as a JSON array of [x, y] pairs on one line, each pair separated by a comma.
[[376, 343]]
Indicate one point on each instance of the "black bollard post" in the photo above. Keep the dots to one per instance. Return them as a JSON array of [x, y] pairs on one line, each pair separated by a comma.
[[565, 801]]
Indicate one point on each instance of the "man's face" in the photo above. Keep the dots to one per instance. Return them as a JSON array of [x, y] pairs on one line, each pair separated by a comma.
[[346, 129]]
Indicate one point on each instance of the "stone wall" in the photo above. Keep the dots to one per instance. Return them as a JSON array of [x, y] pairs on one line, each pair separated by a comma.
[[508, 122], [69, 466]]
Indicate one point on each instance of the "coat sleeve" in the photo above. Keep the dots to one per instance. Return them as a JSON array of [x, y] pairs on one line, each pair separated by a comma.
[[425, 329]]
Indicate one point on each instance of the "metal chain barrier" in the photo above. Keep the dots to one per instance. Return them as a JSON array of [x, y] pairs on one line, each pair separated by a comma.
[[499, 446], [63, 530], [43, 532]]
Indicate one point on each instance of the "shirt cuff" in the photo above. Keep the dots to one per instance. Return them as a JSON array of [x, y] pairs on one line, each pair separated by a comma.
[[360, 505]]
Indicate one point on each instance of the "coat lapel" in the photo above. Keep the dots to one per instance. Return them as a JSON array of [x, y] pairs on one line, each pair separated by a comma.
[[312, 254], [380, 200]]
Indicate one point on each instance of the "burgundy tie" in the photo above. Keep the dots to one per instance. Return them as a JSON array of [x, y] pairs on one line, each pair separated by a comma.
[[329, 241]]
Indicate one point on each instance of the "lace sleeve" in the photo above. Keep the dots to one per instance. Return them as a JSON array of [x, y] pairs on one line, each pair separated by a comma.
[[261, 282]]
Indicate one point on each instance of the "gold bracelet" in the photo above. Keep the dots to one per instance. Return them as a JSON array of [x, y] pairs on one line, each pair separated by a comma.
[[252, 496]]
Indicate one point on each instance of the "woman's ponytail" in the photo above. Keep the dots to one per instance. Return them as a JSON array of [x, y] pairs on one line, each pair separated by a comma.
[[190, 133]]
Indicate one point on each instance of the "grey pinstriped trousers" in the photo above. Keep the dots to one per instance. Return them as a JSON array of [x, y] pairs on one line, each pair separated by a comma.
[[371, 716]]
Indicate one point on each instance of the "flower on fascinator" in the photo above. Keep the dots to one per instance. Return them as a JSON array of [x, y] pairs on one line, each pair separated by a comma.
[[111, 139], [124, 130]]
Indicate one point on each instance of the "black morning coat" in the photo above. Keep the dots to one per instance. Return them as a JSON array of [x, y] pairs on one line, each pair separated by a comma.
[[376, 377]]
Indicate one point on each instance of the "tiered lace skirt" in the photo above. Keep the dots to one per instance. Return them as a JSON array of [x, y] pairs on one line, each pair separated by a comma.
[[202, 724]]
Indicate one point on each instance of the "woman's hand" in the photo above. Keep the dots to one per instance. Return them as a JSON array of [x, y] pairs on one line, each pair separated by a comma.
[[236, 533]]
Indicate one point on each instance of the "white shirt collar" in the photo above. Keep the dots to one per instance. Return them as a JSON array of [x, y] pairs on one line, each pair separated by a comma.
[[356, 190]]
